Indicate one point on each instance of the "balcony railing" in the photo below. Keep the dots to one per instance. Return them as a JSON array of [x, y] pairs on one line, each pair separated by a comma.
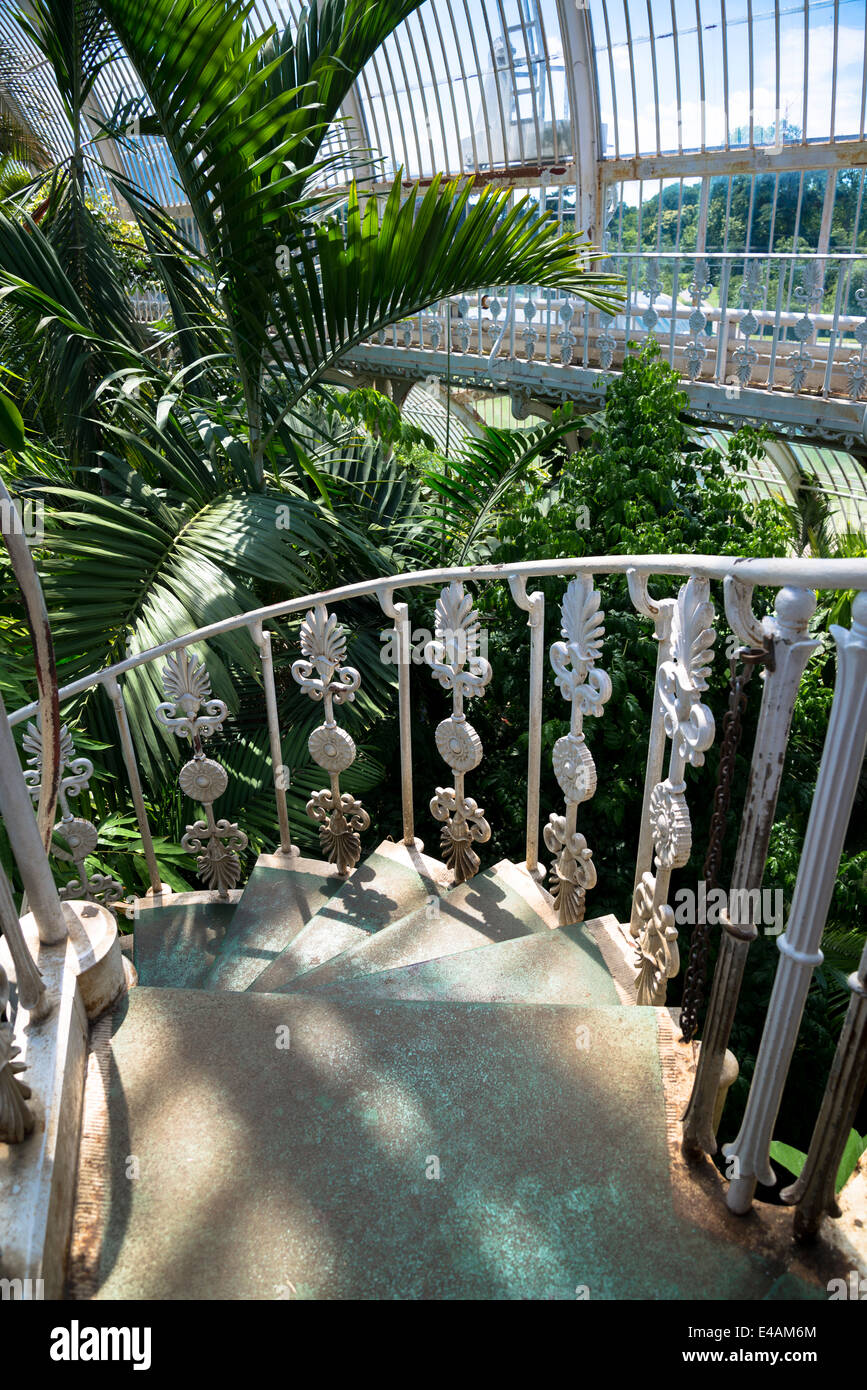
[[782, 322], [783, 326], [682, 729]]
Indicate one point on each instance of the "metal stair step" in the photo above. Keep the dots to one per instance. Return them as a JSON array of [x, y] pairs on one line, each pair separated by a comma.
[[282, 894], [303, 1147], [177, 944], [476, 913], [564, 966], [392, 881]]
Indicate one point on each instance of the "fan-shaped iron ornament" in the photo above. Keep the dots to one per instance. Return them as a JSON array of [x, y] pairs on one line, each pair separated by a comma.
[[322, 675]]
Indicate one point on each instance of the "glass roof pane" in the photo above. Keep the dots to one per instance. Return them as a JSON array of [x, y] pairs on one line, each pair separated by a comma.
[[471, 85], [736, 66]]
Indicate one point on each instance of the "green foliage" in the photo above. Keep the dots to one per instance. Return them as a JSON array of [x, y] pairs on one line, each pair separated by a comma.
[[636, 488], [11, 425], [794, 1159]]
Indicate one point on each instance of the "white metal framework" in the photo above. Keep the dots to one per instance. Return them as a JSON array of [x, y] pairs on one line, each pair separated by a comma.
[[715, 148]]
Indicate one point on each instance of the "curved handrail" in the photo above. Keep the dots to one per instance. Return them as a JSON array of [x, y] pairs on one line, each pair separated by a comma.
[[802, 573]]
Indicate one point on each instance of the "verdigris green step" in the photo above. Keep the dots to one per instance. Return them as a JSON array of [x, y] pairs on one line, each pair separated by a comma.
[[282, 894], [564, 966], [178, 944], [476, 913], [301, 1147], [392, 881]]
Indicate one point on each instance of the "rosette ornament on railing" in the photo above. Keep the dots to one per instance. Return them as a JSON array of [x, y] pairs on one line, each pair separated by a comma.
[[79, 836], [215, 843], [341, 818], [580, 681], [681, 678], [457, 663]]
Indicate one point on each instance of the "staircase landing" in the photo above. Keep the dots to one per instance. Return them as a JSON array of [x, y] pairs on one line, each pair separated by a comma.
[[304, 1172]]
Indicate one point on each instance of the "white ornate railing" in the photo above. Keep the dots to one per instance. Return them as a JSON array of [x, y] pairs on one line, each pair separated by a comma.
[[681, 726], [784, 322], [790, 327]]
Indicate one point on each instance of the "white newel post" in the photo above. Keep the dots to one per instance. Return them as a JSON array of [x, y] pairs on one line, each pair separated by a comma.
[[799, 946]]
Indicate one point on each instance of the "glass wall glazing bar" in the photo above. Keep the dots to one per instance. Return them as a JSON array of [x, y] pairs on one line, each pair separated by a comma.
[[504, 119], [630, 52], [806, 70], [392, 106], [531, 78], [778, 132], [488, 126], [751, 70], [724, 35], [678, 92], [548, 71], [435, 9], [388, 143], [610, 52], [450, 86], [408, 30], [834, 70], [655, 76], [398, 47]]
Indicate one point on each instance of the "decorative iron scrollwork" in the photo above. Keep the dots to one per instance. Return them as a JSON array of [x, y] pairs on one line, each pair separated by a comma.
[[322, 675], [587, 687], [456, 662], [681, 679], [16, 1120], [215, 843], [74, 838]]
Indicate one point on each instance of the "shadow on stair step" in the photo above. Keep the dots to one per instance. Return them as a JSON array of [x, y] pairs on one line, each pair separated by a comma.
[[484, 910], [390, 1151]]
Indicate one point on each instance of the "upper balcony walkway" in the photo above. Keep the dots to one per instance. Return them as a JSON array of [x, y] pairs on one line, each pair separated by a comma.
[[764, 339]]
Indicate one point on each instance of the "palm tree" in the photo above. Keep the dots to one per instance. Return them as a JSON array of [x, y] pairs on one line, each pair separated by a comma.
[[178, 476], [245, 120], [20, 146]]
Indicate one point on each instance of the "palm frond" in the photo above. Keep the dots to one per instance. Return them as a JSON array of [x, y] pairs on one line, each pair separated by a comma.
[[72, 334], [18, 140], [482, 473], [327, 51], [342, 282]]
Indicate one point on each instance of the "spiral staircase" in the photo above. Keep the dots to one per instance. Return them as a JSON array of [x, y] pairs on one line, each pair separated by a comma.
[[376, 1075], [380, 1086]]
